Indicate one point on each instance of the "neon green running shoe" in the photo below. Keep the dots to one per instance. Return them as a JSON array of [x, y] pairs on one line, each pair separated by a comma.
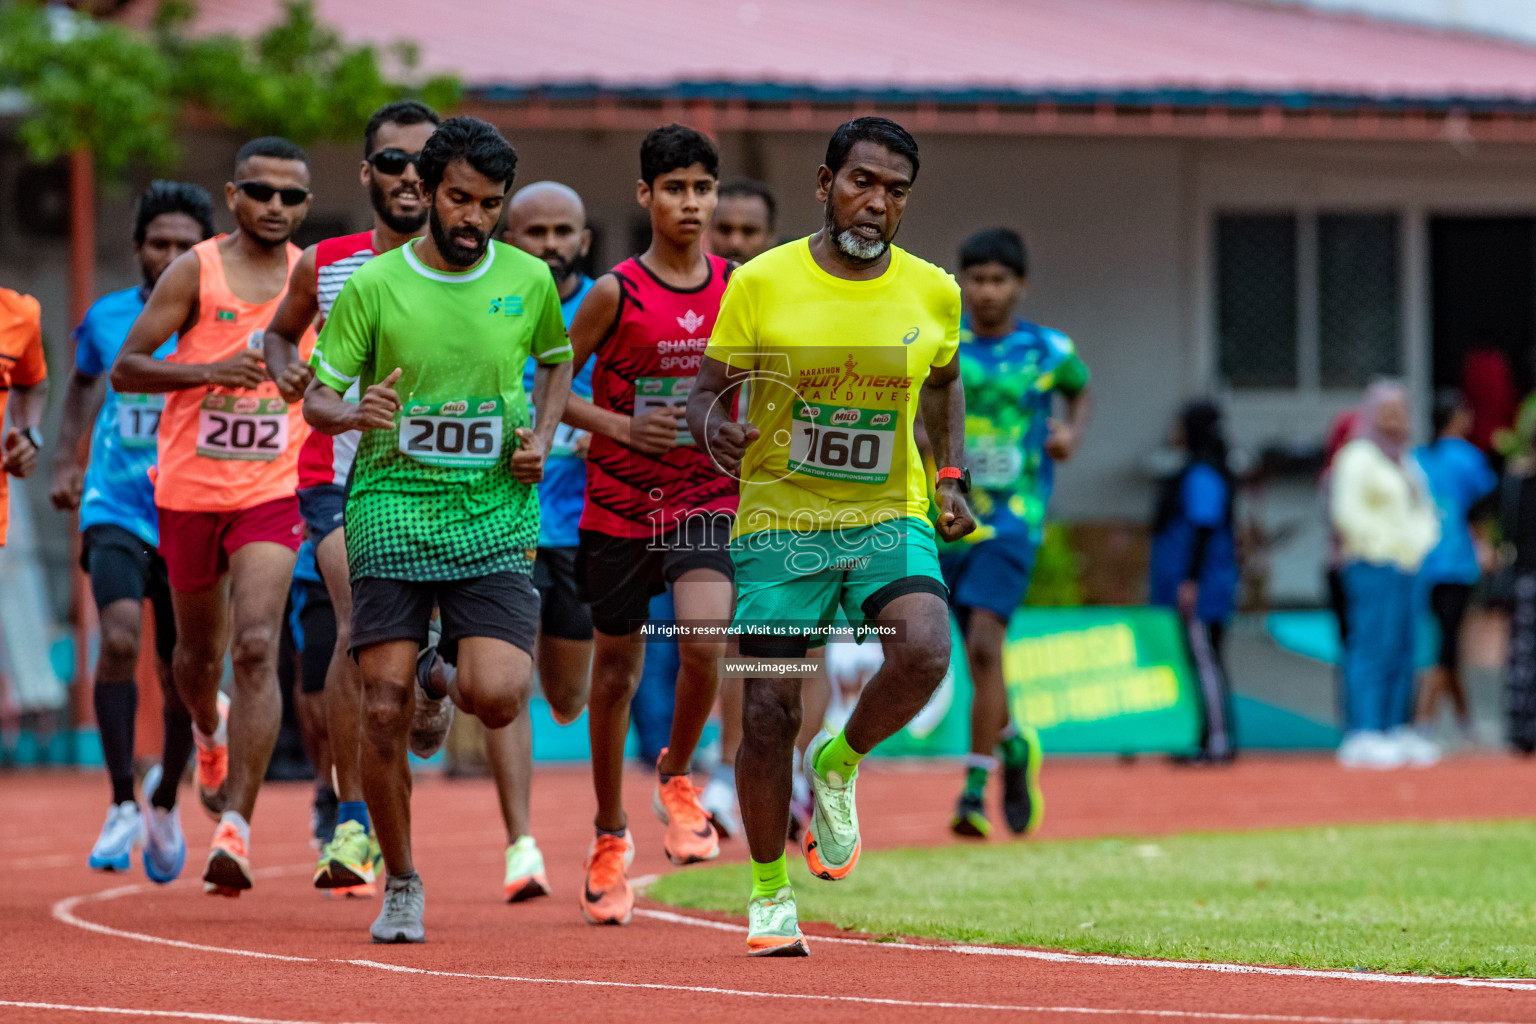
[[1023, 803], [347, 859], [773, 926], [525, 871], [831, 839]]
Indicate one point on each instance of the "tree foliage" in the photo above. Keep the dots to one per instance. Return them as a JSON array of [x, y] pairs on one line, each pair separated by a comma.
[[88, 85], [119, 93]]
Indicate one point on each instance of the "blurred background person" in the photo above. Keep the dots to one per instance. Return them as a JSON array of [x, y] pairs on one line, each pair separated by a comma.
[[1459, 479], [1386, 523], [1194, 564]]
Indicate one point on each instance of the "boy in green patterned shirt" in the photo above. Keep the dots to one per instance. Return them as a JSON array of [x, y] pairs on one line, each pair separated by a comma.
[[441, 508]]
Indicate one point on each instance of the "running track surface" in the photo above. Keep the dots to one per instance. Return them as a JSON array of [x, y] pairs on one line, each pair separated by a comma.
[[81, 947]]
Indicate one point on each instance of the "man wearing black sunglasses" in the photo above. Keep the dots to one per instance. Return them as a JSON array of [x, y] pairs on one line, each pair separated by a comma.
[[391, 148], [227, 468]]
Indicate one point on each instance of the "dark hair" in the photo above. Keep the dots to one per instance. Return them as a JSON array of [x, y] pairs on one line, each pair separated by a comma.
[[880, 130], [401, 112], [673, 146], [476, 143], [1447, 405], [274, 146], [743, 186], [164, 197], [1204, 442], [995, 245]]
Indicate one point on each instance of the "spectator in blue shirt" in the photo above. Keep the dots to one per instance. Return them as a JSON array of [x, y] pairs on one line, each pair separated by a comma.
[[1459, 478], [1194, 564]]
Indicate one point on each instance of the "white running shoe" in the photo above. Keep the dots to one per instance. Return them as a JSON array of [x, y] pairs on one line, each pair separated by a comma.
[[122, 831], [1371, 749], [1417, 749], [719, 801]]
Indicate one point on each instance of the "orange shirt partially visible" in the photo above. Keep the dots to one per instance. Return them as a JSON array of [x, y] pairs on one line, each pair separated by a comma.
[[21, 365], [225, 449]]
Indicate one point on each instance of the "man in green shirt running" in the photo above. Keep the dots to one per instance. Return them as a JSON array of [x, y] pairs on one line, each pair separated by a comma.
[[442, 508]]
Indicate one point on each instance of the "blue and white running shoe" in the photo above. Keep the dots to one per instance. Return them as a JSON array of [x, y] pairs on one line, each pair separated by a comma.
[[123, 830], [165, 847]]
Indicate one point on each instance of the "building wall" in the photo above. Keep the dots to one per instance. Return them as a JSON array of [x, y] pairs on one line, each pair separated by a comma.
[[1118, 232]]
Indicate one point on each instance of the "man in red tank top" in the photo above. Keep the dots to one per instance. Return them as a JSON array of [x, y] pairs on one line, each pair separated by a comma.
[[392, 145], [658, 512], [228, 451]]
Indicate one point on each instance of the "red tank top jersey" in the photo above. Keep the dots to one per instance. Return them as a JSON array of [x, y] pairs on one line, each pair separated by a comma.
[[326, 458], [225, 449], [648, 361]]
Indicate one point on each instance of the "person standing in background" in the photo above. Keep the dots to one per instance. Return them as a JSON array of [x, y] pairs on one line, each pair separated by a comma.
[[1194, 565], [1459, 478], [1387, 524]]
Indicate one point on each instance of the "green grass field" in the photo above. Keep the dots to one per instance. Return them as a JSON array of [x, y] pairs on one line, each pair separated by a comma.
[[1452, 899]]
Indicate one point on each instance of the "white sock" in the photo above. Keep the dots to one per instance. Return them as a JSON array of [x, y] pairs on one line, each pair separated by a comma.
[[986, 761], [220, 737], [242, 826]]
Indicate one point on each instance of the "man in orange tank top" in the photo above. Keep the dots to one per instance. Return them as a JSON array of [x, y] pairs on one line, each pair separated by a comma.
[[228, 456]]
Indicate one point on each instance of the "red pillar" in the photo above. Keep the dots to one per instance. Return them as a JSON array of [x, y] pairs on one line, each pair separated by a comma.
[[82, 292]]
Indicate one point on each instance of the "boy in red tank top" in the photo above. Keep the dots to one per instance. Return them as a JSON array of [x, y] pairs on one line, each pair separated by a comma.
[[658, 512], [228, 456]]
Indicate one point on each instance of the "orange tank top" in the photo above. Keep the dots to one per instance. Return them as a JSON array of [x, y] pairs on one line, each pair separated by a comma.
[[224, 449]]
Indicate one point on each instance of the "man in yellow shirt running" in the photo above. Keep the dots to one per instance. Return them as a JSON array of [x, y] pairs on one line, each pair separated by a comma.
[[842, 336]]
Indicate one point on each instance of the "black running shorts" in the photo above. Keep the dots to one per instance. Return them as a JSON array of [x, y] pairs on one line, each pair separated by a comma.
[[502, 606], [620, 575], [124, 568], [563, 613]]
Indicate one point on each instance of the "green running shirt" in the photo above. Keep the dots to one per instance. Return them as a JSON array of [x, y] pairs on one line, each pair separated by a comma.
[[435, 499]]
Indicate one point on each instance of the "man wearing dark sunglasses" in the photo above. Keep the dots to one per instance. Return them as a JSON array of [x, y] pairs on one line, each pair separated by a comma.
[[391, 148], [227, 468]]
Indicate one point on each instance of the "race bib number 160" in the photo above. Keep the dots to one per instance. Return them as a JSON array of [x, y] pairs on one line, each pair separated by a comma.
[[462, 433], [842, 442]]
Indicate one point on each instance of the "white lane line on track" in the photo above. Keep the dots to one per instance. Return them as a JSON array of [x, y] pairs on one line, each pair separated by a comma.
[[1092, 1011], [63, 911], [222, 1018], [1101, 960]]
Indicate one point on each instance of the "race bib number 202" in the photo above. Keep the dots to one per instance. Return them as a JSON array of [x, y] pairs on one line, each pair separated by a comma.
[[842, 442], [462, 433], [242, 427]]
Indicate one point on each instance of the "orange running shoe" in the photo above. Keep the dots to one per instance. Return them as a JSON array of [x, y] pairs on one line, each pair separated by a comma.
[[606, 897], [691, 835], [213, 766], [228, 871]]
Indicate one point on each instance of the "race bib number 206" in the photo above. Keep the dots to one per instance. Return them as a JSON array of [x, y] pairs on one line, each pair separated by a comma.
[[242, 427], [462, 433]]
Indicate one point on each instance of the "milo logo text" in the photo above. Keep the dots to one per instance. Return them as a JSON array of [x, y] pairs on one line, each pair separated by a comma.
[[880, 419], [485, 407], [454, 408], [652, 386], [247, 405], [811, 412], [417, 410], [845, 416]]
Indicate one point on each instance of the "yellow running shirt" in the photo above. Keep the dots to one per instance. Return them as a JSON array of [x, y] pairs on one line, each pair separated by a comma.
[[835, 368]]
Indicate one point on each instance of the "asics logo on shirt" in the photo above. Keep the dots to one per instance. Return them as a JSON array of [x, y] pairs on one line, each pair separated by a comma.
[[690, 321], [910, 336], [508, 305]]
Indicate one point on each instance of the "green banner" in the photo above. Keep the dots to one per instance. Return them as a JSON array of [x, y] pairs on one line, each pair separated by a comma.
[[1102, 680], [1091, 680]]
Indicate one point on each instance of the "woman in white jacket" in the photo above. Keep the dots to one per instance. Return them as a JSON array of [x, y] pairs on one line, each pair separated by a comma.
[[1386, 524]]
